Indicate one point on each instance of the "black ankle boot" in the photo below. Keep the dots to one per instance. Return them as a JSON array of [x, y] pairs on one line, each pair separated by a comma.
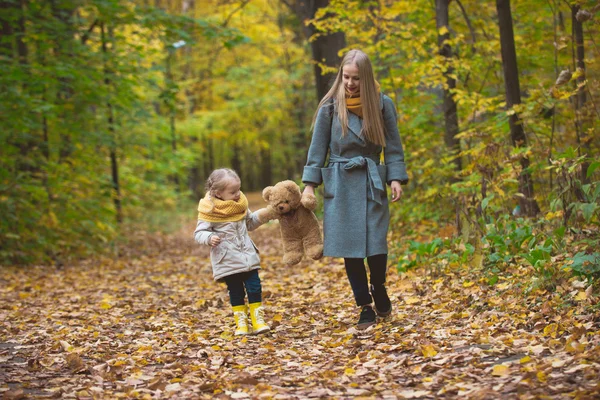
[[367, 317], [383, 305]]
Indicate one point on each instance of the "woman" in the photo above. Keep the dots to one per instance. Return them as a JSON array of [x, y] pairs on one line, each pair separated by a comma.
[[354, 123]]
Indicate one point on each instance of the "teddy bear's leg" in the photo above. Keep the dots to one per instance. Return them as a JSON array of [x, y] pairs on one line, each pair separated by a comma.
[[292, 249], [313, 244]]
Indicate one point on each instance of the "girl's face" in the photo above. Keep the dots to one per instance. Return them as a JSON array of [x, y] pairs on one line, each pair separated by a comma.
[[230, 192], [350, 78]]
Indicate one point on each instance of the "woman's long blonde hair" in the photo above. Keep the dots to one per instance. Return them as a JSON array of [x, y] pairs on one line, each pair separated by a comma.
[[373, 129]]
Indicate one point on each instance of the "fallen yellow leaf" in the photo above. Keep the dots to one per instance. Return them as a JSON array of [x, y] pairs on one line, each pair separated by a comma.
[[500, 370], [428, 350], [105, 305], [542, 376], [581, 296], [525, 360], [550, 330]]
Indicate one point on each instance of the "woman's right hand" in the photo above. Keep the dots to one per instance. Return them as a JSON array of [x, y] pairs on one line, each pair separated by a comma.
[[309, 189], [214, 240]]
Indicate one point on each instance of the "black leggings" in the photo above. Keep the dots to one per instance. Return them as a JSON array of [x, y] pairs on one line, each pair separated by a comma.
[[236, 284], [357, 275]]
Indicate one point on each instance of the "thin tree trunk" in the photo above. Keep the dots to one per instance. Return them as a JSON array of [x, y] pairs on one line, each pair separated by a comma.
[[6, 49], [209, 156], [64, 39], [527, 202], [171, 100], [450, 109], [265, 168], [236, 160], [580, 101], [111, 129], [21, 45]]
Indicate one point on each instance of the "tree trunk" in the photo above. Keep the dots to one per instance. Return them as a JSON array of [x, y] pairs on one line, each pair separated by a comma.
[[266, 175], [325, 48], [450, 109], [63, 41], [581, 116], [111, 129], [527, 202], [236, 159], [21, 45], [6, 30], [209, 156]]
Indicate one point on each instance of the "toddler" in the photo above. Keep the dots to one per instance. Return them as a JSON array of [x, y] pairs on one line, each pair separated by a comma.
[[223, 223]]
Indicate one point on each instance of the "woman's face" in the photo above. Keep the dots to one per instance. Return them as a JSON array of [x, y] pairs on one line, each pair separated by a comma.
[[230, 192], [350, 78]]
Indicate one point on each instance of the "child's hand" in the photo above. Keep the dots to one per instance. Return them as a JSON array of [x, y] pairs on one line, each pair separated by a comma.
[[266, 214], [214, 240]]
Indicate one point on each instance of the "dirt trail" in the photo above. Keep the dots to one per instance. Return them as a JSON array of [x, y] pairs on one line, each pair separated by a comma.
[[157, 326]]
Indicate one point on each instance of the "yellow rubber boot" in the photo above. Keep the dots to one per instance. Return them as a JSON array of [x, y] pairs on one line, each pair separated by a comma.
[[257, 315], [240, 314]]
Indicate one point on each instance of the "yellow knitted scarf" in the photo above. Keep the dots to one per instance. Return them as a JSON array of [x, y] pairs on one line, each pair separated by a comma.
[[353, 103], [211, 209]]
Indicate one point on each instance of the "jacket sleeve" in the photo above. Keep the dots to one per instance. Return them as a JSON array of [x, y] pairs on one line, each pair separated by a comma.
[[393, 152], [252, 220], [319, 146], [203, 232]]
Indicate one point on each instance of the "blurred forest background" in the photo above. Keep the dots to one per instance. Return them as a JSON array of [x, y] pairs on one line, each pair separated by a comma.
[[114, 112]]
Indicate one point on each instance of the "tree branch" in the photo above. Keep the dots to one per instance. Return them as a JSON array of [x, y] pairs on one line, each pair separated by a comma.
[[86, 35], [241, 6], [466, 16]]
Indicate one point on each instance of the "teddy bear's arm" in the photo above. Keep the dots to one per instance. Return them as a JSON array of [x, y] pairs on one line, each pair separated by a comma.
[[309, 201], [259, 217]]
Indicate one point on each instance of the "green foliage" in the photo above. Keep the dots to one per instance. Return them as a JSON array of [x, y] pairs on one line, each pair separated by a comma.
[[433, 254], [83, 90], [586, 265]]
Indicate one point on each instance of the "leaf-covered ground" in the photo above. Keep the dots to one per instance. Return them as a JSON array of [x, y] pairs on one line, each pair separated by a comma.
[[153, 324]]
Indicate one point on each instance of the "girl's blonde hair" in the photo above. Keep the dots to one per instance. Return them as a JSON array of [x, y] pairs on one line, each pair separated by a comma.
[[373, 129], [219, 179]]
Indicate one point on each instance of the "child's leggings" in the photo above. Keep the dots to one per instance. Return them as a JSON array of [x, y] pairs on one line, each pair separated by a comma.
[[357, 275], [236, 283]]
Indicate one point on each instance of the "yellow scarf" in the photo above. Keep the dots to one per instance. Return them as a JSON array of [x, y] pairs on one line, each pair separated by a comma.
[[353, 103], [216, 210]]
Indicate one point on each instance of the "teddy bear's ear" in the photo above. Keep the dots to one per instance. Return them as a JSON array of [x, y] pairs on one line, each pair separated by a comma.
[[267, 193], [292, 187]]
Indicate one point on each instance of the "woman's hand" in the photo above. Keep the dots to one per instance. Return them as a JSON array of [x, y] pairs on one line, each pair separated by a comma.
[[396, 191], [309, 190], [214, 240]]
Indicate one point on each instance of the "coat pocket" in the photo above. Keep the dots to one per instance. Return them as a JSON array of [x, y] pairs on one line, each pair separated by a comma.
[[218, 253], [328, 182]]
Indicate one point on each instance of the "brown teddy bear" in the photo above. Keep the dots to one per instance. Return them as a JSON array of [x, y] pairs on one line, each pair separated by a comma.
[[300, 231]]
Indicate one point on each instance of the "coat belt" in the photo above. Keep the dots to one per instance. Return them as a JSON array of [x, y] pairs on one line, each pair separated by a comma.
[[373, 179]]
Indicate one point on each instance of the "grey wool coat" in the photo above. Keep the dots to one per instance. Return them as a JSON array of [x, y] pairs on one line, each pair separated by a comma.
[[236, 252], [356, 216]]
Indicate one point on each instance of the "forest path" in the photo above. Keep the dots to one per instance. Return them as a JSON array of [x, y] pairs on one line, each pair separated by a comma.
[[157, 326]]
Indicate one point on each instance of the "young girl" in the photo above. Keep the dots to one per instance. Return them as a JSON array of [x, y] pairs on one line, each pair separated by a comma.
[[354, 123], [223, 223]]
